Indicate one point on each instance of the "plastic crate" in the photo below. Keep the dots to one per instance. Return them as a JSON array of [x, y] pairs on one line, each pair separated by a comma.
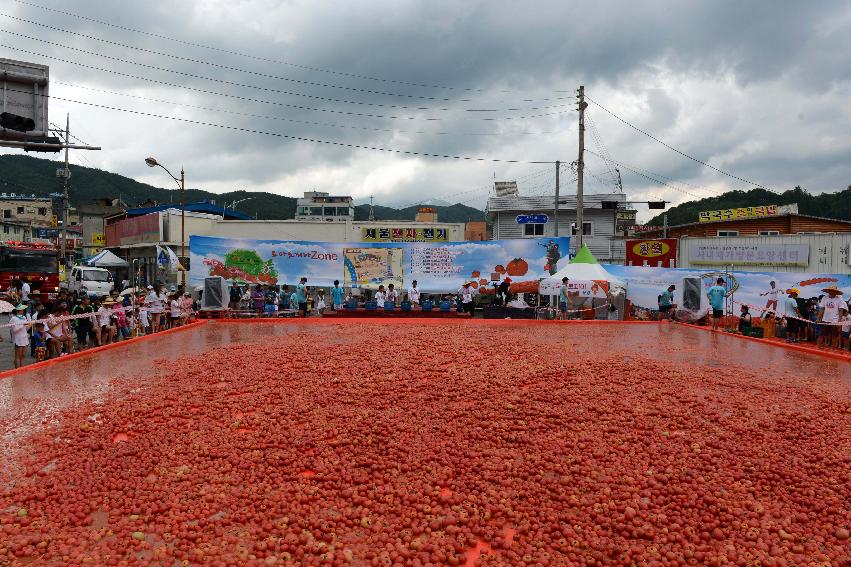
[[371, 306], [427, 305], [352, 305], [406, 306], [445, 305], [389, 306]]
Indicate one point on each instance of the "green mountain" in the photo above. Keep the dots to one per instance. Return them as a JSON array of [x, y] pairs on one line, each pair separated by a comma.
[[27, 175], [830, 205]]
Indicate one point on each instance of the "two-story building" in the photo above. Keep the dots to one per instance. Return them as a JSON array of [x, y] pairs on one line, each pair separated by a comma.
[[515, 216], [319, 206]]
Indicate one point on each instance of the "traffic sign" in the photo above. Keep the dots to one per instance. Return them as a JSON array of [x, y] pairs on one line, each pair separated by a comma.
[[532, 219]]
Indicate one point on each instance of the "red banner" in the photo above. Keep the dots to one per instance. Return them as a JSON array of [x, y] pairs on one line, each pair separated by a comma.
[[655, 252]]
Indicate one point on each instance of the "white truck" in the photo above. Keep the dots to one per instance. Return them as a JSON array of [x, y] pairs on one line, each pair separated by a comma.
[[94, 282]]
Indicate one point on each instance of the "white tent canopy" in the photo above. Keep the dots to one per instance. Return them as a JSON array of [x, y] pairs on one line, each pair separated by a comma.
[[581, 272], [106, 259]]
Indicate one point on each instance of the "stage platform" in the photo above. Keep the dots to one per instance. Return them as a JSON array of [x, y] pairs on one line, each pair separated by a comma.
[[360, 313]]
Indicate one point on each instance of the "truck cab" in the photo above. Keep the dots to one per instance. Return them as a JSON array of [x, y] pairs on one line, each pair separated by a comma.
[[94, 282]]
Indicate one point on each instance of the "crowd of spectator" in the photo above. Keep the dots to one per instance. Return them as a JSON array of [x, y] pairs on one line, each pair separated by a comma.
[[43, 328]]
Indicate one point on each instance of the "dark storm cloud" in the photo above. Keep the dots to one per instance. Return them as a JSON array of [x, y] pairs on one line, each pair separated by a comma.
[[739, 84]]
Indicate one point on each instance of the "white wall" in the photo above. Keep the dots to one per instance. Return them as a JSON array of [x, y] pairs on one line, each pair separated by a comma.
[[318, 231]]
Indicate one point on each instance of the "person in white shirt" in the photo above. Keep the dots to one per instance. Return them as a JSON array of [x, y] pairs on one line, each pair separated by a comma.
[[832, 310], [467, 299], [174, 310], [20, 337], [773, 293], [155, 308], [846, 332], [25, 291], [392, 294], [380, 296], [414, 293], [105, 324]]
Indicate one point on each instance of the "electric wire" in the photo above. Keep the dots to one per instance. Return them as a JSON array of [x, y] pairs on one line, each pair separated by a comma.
[[293, 120], [287, 136], [672, 148], [262, 101], [262, 88], [255, 57], [649, 177]]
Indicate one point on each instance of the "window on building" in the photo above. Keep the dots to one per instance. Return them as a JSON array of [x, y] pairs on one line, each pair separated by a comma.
[[42, 211], [7, 213], [17, 230], [586, 228], [5, 229], [330, 211], [533, 230], [728, 233], [304, 211], [35, 233], [769, 232], [20, 210]]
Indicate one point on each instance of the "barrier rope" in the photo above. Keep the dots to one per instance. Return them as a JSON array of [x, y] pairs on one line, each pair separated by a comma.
[[91, 315]]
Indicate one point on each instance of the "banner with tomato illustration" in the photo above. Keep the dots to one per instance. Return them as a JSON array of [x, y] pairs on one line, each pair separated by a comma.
[[438, 267]]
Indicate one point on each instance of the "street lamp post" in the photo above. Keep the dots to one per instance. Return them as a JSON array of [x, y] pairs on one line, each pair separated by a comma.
[[181, 183]]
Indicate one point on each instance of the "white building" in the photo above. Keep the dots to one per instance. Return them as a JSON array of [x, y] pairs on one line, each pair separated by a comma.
[[319, 206], [515, 216]]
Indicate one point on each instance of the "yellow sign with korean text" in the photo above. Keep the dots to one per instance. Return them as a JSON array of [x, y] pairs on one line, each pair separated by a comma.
[[739, 213]]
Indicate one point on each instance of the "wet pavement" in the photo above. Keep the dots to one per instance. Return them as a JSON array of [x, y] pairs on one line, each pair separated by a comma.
[[32, 400]]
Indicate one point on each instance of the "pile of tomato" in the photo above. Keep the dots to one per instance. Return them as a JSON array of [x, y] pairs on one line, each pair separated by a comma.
[[365, 444]]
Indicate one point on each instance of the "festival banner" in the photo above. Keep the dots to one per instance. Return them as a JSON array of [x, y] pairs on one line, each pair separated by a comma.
[[749, 254], [763, 291], [437, 267], [660, 252]]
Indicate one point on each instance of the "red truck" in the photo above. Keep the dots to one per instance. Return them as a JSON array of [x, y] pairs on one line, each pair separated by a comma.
[[37, 263]]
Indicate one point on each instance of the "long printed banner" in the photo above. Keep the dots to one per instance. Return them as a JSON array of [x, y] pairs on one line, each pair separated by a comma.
[[437, 267], [764, 289]]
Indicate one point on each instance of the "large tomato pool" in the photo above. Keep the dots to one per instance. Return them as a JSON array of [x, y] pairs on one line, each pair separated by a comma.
[[429, 443]]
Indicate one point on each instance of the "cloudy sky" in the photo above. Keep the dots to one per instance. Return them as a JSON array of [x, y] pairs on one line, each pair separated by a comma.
[[758, 89]]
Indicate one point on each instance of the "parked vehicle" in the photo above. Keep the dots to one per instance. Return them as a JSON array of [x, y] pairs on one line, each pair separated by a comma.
[[94, 282]]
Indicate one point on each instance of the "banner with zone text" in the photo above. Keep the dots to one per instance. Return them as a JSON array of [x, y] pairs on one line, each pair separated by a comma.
[[438, 267]]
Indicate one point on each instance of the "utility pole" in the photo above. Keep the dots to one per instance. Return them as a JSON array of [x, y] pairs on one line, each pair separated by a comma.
[[555, 211], [183, 226], [371, 211], [580, 167], [66, 174]]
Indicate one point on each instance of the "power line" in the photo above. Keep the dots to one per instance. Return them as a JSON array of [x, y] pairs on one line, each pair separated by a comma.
[[285, 136], [256, 87], [258, 73], [670, 147], [293, 120], [261, 101], [635, 171], [255, 57]]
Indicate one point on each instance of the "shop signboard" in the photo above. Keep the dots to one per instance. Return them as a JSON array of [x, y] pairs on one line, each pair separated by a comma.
[[625, 220], [749, 255], [652, 252], [48, 232], [740, 213], [437, 267]]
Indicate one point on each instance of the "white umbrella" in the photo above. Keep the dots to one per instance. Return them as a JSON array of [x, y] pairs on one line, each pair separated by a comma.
[[6, 307], [130, 290]]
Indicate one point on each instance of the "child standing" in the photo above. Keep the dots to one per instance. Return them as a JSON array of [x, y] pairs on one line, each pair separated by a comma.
[[40, 340], [20, 337]]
